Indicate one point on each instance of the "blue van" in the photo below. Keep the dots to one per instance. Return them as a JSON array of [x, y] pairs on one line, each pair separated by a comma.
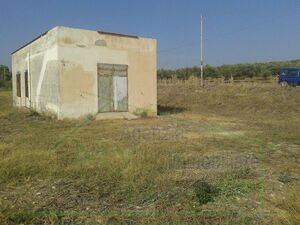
[[289, 77]]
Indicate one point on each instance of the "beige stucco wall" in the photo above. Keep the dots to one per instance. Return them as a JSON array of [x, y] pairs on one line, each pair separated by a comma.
[[40, 59], [82, 50], [63, 69]]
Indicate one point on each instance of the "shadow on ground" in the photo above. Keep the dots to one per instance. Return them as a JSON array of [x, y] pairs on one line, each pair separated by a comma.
[[165, 110]]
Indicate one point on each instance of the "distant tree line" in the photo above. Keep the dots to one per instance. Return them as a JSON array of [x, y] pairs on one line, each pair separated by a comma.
[[238, 71], [5, 78], [5, 73]]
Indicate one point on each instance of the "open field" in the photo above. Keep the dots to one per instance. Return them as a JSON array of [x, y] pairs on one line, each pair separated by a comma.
[[224, 154]]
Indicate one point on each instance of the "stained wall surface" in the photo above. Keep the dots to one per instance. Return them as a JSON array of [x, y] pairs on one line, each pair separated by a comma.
[[82, 50], [63, 71], [40, 60]]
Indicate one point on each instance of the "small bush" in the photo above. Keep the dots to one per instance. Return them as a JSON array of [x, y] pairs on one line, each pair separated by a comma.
[[205, 192], [90, 118], [33, 113], [144, 114], [5, 85], [22, 217], [286, 178]]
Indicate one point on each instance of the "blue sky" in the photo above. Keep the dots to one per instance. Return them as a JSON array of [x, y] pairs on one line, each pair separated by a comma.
[[236, 31]]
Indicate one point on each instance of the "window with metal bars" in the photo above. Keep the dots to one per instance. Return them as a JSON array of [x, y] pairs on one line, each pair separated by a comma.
[[18, 84], [26, 84]]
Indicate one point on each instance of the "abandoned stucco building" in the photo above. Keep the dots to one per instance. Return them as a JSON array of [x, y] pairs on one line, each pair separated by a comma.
[[72, 73]]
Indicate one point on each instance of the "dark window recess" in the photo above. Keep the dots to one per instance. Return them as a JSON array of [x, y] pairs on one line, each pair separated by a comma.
[[18, 84], [26, 85]]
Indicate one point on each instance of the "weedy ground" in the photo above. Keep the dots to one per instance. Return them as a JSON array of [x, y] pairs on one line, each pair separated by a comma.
[[225, 154]]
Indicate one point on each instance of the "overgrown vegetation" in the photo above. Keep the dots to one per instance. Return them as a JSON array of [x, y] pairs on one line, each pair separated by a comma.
[[235, 161], [205, 192], [5, 85], [263, 70], [5, 73], [5, 78]]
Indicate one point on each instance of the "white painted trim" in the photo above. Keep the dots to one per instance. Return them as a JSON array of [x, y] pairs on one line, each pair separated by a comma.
[[50, 54]]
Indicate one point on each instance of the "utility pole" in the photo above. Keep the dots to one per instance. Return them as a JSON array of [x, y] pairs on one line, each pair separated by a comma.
[[202, 60]]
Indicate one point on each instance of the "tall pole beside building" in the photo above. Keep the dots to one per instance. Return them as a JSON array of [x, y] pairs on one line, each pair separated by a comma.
[[202, 60]]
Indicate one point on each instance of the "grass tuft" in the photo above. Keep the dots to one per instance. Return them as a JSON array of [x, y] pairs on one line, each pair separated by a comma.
[[205, 192]]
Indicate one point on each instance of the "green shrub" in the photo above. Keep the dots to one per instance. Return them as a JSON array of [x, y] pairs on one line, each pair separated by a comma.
[[286, 178], [90, 118], [144, 114], [33, 113], [6, 85], [205, 192]]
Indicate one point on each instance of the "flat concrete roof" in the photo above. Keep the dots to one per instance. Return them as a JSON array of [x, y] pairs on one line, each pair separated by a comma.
[[100, 32], [28, 43]]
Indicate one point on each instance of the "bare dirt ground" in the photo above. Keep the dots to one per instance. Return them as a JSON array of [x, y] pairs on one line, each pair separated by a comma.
[[227, 154]]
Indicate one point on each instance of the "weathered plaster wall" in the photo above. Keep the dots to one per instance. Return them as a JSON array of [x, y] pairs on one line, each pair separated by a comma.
[[40, 60], [63, 77], [81, 50]]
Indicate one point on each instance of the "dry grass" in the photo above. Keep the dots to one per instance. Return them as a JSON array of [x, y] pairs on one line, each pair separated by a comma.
[[242, 140]]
